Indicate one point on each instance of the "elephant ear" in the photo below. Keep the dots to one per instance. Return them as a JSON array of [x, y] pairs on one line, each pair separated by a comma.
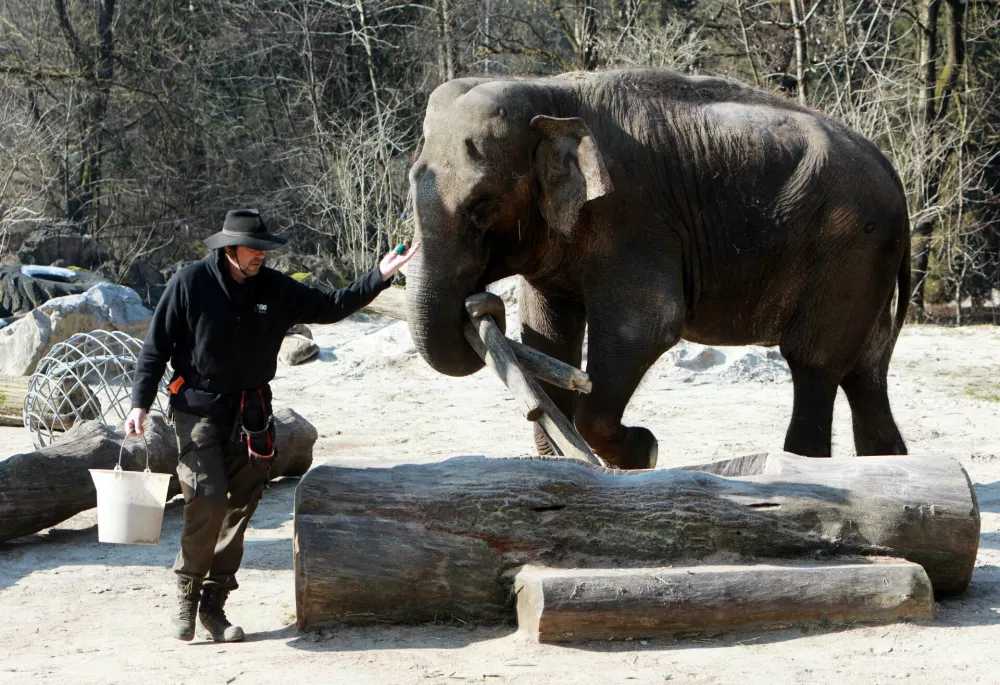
[[570, 169]]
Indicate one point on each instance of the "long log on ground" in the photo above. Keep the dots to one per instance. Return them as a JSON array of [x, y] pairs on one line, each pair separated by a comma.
[[43, 488], [12, 392], [437, 539], [559, 605]]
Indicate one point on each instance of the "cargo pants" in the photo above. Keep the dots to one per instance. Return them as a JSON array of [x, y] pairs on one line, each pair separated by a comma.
[[221, 491]]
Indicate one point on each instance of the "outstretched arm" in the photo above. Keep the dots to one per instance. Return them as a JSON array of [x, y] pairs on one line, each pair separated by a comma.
[[319, 306]]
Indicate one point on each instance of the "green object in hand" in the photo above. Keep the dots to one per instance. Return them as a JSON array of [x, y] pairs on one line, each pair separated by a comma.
[[401, 248]]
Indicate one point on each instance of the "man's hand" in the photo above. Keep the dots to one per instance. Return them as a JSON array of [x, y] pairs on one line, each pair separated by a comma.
[[393, 260], [134, 424]]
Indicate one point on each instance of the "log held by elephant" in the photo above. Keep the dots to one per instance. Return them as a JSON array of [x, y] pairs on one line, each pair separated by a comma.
[[446, 539]]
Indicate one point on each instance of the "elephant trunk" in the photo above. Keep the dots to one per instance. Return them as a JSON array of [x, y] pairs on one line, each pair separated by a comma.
[[437, 283]]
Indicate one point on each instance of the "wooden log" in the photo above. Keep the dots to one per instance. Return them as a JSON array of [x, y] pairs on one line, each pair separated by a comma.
[[392, 303], [12, 392], [490, 344], [435, 539], [562, 434], [43, 488], [561, 605], [552, 371]]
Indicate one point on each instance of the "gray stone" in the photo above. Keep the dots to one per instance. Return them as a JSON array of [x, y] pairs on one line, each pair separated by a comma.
[[297, 349], [104, 306]]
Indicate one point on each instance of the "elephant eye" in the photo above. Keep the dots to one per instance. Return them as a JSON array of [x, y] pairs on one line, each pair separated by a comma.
[[478, 206]]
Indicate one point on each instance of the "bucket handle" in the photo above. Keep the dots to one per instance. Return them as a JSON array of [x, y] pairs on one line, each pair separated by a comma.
[[118, 466]]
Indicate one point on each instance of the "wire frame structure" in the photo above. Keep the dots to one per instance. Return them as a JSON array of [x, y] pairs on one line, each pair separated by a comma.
[[87, 377]]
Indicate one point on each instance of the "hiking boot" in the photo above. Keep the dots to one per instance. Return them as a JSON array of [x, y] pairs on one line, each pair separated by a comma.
[[182, 622], [213, 617]]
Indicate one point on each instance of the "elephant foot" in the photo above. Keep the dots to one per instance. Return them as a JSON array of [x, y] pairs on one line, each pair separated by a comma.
[[638, 450]]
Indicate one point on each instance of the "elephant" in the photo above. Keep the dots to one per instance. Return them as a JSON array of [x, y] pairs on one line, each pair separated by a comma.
[[644, 207]]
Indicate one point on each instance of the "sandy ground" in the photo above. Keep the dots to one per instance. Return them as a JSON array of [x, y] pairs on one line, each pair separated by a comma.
[[76, 611]]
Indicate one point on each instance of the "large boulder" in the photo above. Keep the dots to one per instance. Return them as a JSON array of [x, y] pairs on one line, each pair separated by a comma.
[[24, 287], [148, 282], [105, 306], [63, 241]]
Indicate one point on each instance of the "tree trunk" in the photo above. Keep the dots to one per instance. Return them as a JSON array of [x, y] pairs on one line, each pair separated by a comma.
[[935, 94], [446, 42], [443, 539], [801, 51], [588, 35], [42, 488]]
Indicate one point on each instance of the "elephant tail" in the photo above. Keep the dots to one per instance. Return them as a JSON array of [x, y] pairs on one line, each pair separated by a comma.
[[903, 281]]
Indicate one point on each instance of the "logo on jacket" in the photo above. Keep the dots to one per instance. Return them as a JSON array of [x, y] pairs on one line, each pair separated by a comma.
[[262, 309]]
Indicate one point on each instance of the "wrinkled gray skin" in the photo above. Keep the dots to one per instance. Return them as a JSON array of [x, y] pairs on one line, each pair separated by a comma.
[[654, 207]]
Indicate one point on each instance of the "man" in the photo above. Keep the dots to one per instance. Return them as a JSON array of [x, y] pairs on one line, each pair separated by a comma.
[[220, 323]]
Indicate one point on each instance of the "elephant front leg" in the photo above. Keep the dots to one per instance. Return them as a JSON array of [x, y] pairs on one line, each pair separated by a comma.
[[619, 356], [553, 326]]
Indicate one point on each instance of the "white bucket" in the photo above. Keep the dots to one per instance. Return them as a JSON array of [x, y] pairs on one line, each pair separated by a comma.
[[130, 504]]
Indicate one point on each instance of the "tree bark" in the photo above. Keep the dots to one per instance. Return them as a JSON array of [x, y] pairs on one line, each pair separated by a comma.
[[443, 539], [801, 50], [935, 94], [560, 605], [42, 488], [588, 35]]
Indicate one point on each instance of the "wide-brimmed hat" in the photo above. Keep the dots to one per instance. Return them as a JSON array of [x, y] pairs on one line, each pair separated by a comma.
[[244, 227]]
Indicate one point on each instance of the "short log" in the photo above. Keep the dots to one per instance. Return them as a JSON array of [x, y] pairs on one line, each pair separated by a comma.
[[561, 605], [43, 488], [418, 541]]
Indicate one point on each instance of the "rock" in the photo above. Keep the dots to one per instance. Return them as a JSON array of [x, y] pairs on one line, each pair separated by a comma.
[[698, 358], [72, 402], [24, 286], [104, 306], [297, 349], [759, 365], [319, 271], [509, 290], [141, 273], [64, 241], [300, 329], [169, 272]]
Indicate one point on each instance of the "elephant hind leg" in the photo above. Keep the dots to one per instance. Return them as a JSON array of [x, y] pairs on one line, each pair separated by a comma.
[[810, 430], [866, 387]]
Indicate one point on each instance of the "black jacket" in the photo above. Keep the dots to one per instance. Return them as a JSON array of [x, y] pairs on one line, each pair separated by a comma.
[[221, 345]]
